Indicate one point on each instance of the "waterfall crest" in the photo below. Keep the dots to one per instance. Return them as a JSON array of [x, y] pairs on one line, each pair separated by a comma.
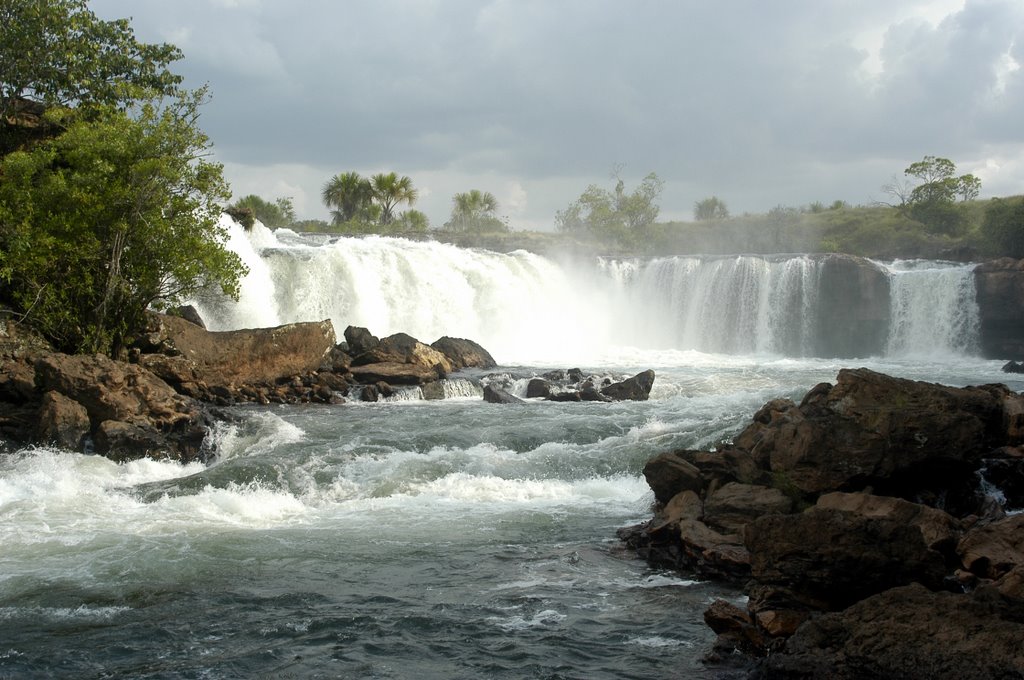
[[526, 308]]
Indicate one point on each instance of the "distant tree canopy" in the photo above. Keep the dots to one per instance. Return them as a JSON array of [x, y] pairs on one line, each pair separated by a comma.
[[474, 211], [1003, 226], [114, 206], [932, 199], [368, 205], [280, 213], [613, 215], [711, 208]]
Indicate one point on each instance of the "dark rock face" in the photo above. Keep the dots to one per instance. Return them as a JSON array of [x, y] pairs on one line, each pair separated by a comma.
[[909, 632], [1000, 292], [360, 340], [462, 353], [824, 509], [853, 308], [496, 395], [637, 388]]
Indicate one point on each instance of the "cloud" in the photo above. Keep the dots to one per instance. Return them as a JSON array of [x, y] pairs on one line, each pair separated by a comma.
[[758, 103]]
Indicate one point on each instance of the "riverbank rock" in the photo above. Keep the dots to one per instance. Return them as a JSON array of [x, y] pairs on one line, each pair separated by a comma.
[[865, 488], [999, 286], [462, 353]]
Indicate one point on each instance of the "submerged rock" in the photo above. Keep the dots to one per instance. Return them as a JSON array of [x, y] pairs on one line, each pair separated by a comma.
[[496, 395]]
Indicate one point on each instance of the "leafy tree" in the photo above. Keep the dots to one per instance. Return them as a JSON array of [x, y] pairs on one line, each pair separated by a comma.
[[411, 221], [389, 191], [1003, 226], [280, 213], [349, 197], [932, 201], [711, 208], [58, 53], [118, 213], [474, 211], [613, 215]]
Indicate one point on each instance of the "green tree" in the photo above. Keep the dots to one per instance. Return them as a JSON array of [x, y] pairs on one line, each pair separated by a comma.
[[349, 197], [1003, 226], [710, 208], [932, 202], [389, 191], [613, 215], [280, 213], [411, 221], [118, 213], [474, 211], [58, 53]]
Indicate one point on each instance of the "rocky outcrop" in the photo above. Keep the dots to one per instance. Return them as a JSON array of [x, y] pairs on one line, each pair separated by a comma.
[[861, 505], [462, 353], [853, 308], [999, 285]]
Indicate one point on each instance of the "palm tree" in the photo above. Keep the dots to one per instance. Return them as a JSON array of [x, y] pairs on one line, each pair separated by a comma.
[[474, 211], [348, 195], [389, 190]]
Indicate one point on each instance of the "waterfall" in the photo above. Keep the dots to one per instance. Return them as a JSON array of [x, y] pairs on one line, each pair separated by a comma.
[[528, 308], [933, 309]]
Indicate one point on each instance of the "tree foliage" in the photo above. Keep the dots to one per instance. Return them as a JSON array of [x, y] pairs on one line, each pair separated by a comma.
[[58, 53], [711, 208], [349, 197], [116, 208], [280, 213], [390, 191], [474, 211], [613, 215], [1003, 227], [930, 191]]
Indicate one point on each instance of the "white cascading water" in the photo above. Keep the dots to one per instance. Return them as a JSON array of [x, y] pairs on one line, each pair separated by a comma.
[[933, 309], [528, 309]]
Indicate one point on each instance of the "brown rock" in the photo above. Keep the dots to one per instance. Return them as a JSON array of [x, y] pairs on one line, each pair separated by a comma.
[[394, 373], [401, 348], [462, 353], [995, 549], [62, 422], [839, 557], [670, 473], [359, 340], [250, 356], [908, 632], [637, 388], [734, 505], [940, 530]]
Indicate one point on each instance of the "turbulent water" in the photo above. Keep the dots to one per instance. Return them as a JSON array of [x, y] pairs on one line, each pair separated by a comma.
[[432, 539]]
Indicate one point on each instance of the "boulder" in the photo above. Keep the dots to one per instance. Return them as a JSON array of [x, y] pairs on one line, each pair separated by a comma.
[[395, 373], [462, 353], [833, 558], [908, 632], [496, 395], [870, 429], [993, 550], [401, 348], [538, 388], [637, 388], [62, 422], [940, 530], [260, 356], [671, 473], [731, 507], [359, 340]]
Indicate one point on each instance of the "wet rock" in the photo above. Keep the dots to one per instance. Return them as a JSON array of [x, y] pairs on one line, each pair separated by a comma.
[[538, 388], [908, 632], [402, 348], [1013, 367], [670, 473], [637, 388], [731, 507], [999, 286], [462, 353], [395, 373], [63, 422], [360, 340], [496, 395]]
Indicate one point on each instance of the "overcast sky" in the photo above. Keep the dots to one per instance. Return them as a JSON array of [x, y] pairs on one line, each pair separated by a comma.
[[758, 103]]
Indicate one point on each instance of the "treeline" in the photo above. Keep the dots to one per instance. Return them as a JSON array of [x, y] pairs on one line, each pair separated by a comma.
[[370, 205]]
